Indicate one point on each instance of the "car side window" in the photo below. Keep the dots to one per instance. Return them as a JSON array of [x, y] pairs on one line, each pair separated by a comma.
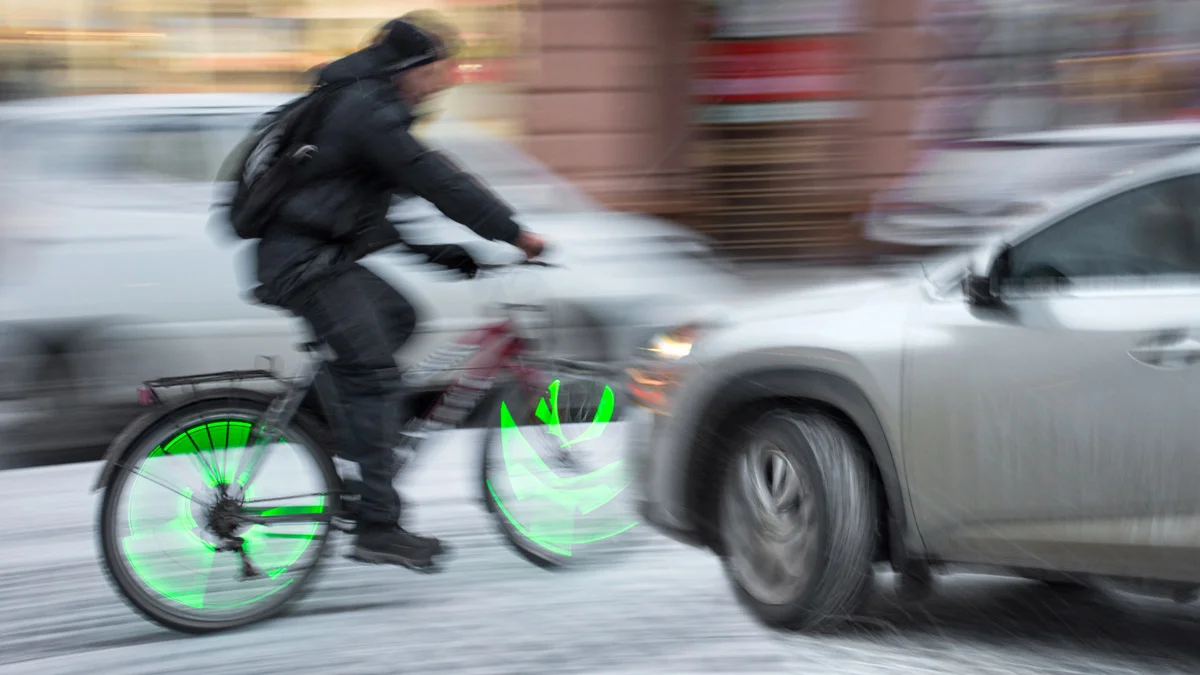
[[1150, 231], [172, 148], [166, 149], [184, 148]]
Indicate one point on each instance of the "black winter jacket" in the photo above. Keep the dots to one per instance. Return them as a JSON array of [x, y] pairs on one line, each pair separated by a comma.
[[366, 156]]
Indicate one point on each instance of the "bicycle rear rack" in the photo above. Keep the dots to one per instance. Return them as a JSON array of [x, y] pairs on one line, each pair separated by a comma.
[[149, 393]]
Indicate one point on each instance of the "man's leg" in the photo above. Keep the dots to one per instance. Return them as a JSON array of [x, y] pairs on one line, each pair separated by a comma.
[[364, 320]]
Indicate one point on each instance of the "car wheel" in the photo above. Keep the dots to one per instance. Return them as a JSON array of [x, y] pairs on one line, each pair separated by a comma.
[[58, 382], [798, 521]]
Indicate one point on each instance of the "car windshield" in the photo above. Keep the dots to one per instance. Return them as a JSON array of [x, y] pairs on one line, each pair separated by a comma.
[[190, 148], [975, 175]]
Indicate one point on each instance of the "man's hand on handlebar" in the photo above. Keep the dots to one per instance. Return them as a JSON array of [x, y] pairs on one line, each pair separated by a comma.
[[532, 244]]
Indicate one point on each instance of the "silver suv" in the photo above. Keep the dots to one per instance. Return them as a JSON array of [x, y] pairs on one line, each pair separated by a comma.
[[1030, 405]]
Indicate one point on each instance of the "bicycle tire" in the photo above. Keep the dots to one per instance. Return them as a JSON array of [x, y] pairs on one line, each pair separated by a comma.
[[511, 403], [303, 430]]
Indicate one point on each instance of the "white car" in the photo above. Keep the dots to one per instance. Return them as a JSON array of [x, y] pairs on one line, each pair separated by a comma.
[[1028, 406], [112, 271], [966, 191]]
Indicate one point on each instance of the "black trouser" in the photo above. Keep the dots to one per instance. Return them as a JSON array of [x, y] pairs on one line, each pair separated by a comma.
[[365, 321]]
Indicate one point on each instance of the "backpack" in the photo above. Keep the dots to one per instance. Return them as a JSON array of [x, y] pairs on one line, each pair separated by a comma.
[[262, 166]]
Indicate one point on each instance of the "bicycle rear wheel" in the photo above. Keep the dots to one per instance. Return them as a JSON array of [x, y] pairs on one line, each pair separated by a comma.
[[172, 509], [551, 470]]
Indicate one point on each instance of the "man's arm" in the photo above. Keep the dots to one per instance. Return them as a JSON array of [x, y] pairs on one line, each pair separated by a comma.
[[385, 141]]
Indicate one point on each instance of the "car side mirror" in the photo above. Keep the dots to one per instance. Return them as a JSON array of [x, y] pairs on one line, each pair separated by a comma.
[[983, 290], [978, 291]]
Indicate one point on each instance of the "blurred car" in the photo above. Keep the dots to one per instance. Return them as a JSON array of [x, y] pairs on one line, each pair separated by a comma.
[[1028, 405], [966, 191], [111, 271]]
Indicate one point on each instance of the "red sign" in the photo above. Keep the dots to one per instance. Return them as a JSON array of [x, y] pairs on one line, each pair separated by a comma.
[[484, 70], [786, 69]]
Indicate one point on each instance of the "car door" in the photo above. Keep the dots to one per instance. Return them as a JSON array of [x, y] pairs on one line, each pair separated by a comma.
[[1058, 429]]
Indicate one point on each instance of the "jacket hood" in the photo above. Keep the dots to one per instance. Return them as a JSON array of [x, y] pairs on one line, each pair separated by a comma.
[[371, 63]]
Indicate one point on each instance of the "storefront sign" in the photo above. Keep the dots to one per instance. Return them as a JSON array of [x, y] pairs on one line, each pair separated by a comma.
[[763, 71]]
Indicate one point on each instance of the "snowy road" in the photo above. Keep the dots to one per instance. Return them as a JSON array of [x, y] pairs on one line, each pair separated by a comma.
[[656, 608]]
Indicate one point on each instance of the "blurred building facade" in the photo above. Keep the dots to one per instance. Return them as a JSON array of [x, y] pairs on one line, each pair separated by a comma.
[[770, 123], [766, 123]]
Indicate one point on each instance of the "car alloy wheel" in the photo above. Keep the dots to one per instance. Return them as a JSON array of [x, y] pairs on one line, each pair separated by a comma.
[[777, 528]]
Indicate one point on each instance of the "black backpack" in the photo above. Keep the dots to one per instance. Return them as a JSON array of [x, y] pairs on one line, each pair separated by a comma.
[[262, 166]]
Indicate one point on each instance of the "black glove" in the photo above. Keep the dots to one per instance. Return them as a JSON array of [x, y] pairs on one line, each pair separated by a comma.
[[450, 256]]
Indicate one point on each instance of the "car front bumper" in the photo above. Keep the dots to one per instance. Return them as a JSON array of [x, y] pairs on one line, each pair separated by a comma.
[[648, 439]]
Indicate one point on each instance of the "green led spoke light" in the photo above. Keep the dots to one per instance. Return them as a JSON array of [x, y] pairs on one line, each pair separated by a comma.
[[570, 498], [183, 574]]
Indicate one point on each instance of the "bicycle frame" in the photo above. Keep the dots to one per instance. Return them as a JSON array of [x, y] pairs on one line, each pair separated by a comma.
[[480, 357]]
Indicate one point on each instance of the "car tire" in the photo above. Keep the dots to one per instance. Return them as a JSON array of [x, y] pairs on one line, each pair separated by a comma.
[[798, 523], [1056, 580]]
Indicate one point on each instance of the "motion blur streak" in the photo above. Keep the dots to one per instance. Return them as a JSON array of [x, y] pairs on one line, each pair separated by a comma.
[[652, 607], [958, 236]]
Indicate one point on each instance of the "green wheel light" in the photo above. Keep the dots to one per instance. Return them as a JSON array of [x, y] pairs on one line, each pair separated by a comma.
[[175, 559], [567, 500]]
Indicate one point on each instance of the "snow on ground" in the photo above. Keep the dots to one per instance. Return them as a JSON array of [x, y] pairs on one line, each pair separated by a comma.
[[652, 607]]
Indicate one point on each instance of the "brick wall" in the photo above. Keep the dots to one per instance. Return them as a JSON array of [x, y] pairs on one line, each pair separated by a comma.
[[608, 107], [605, 103]]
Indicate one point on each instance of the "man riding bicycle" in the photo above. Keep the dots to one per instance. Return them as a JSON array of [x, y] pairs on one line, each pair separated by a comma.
[[336, 213]]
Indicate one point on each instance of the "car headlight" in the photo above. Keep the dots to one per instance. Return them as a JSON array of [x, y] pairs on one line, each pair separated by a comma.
[[654, 378], [674, 344]]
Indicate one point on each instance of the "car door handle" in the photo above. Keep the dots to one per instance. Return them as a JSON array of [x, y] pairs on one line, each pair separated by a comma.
[[1179, 353]]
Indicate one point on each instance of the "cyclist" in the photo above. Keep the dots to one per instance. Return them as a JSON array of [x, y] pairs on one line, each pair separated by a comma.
[[335, 213]]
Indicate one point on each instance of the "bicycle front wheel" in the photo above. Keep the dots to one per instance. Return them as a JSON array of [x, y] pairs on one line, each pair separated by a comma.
[[552, 470], [203, 528]]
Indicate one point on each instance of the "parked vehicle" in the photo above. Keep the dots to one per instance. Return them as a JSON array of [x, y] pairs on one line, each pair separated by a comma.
[[967, 191], [111, 272]]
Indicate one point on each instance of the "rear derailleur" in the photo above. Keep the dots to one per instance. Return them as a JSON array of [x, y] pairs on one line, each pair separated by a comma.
[[238, 545], [224, 522]]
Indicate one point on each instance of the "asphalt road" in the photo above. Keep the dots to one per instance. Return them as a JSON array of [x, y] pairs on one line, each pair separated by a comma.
[[651, 606]]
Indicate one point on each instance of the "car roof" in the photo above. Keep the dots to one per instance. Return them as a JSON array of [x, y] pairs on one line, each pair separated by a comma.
[[74, 108], [67, 107], [1144, 132]]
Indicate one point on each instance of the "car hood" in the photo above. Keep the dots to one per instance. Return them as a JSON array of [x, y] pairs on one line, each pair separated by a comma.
[[832, 297], [590, 233]]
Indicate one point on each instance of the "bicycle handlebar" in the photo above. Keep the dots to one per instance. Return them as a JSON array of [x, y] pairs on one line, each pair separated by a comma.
[[530, 262]]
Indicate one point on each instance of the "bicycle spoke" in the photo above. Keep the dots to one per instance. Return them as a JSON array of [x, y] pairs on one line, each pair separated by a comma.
[[171, 572], [210, 470], [138, 472], [248, 471], [212, 450], [280, 499]]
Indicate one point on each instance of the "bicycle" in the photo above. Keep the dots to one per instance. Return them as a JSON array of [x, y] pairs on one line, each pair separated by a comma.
[[225, 435]]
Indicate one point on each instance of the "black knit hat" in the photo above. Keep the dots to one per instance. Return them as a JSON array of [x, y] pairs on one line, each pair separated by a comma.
[[409, 46]]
